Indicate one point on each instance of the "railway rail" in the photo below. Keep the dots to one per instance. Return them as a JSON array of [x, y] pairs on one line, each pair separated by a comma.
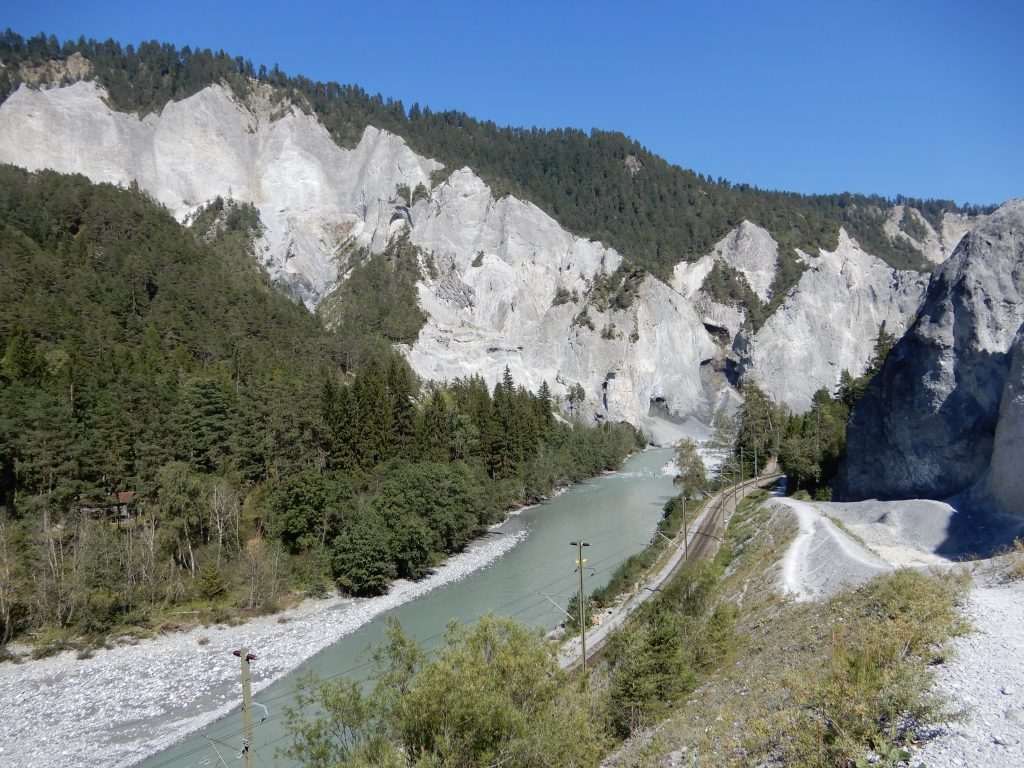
[[703, 538]]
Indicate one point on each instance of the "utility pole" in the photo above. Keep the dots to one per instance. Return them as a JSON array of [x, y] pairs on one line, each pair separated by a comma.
[[247, 747], [583, 614], [686, 537]]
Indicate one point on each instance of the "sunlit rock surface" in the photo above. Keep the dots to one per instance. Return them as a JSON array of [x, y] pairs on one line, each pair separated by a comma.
[[505, 284], [312, 195], [936, 244], [498, 263], [829, 323]]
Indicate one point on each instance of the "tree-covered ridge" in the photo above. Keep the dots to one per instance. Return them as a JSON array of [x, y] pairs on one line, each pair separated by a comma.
[[174, 430], [600, 184]]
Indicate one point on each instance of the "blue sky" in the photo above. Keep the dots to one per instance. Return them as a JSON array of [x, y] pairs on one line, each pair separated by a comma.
[[920, 98]]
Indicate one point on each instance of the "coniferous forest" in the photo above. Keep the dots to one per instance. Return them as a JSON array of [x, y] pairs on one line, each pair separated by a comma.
[[177, 435], [152, 377]]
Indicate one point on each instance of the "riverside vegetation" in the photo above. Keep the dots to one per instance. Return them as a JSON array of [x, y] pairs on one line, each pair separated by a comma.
[[780, 683], [179, 441], [718, 666], [812, 684]]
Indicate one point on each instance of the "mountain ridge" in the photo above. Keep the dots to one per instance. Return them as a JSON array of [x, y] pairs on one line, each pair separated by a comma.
[[604, 185], [504, 284], [556, 323]]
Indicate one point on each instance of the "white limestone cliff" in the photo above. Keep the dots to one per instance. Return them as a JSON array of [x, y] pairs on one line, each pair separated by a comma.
[[1004, 483], [749, 249], [937, 244], [312, 195], [927, 423], [829, 323], [499, 262]]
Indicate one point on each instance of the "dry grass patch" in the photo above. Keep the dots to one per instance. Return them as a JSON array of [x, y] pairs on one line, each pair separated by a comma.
[[811, 684]]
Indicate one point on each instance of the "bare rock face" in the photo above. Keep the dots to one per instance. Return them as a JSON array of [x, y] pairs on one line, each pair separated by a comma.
[[497, 264], [502, 283], [749, 249], [1004, 484], [512, 260], [829, 323], [927, 423], [313, 196], [935, 244]]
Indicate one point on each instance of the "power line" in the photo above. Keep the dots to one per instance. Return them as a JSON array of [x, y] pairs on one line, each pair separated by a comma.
[[610, 534]]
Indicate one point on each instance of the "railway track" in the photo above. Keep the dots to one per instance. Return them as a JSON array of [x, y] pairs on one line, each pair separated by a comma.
[[702, 542]]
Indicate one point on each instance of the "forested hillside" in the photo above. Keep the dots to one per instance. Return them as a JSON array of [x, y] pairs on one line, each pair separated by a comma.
[[600, 184], [174, 431]]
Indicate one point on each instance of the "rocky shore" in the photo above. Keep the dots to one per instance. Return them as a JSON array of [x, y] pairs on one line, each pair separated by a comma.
[[126, 703]]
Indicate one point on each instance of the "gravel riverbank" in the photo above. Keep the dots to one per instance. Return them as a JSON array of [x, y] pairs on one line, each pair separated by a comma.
[[128, 702]]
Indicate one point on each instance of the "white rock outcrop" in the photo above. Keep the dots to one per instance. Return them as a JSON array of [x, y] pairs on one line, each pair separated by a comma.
[[1004, 484], [749, 249], [506, 285], [925, 427], [937, 244], [498, 263], [829, 323], [312, 195]]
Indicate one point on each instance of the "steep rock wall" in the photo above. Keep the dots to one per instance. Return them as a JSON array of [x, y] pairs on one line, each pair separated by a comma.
[[926, 424], [312, 195], [936, 245], [498, 263], [492, 305], [1004, 484], [749, 249], [829, 322]]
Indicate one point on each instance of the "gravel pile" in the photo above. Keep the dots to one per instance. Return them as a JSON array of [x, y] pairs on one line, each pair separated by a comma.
[[128, 702]]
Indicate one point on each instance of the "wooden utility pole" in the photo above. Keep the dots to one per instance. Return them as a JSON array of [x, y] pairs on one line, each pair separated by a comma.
[[247, 747], [686, 537], [583, 614]]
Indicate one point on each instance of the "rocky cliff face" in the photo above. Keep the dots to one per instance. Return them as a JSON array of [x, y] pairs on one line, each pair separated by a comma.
[[927, 423], [749, 249], [936, 244], [492, 303], [1003, 486], [505, 284], [496, 264], [829, 323], [313, 196]]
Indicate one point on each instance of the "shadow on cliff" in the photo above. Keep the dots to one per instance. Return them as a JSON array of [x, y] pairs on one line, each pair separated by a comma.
[[976, 530]]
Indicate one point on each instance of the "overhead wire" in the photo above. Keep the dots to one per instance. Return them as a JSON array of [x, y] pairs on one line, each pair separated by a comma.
[[435, 636], [600, 538]]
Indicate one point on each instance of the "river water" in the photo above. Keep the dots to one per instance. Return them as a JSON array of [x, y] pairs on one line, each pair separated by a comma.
[[616, 513]]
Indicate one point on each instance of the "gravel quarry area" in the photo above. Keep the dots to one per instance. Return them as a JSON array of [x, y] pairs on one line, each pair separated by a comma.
[[123, 704], [983, 677]]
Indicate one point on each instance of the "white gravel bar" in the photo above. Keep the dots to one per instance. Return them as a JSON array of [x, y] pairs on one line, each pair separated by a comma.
[[128, 702]]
